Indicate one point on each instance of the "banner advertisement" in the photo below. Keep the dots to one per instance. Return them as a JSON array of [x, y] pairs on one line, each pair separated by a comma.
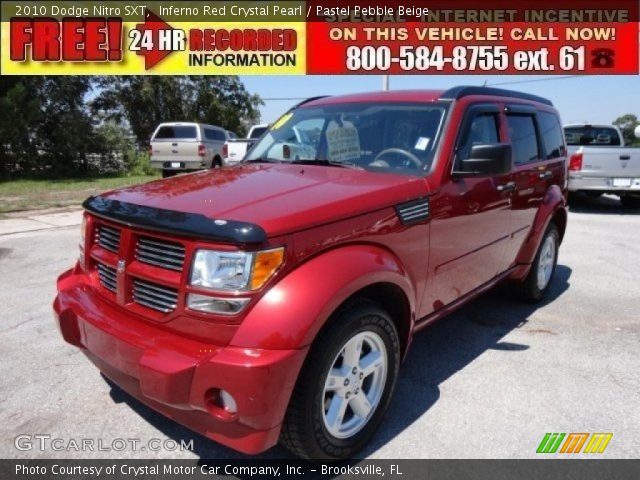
[[320, 37]]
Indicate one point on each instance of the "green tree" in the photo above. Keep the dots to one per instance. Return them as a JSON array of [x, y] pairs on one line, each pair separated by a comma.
[[45, 124], [145, 101], [627, 124]]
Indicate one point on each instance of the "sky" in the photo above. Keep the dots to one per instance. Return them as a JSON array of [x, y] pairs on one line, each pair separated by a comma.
[[593, 99]]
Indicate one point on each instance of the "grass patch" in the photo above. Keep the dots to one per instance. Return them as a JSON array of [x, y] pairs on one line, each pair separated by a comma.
[[28, 194]]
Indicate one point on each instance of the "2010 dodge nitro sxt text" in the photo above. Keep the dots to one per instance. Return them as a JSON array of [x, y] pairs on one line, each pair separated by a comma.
[[274, 300]]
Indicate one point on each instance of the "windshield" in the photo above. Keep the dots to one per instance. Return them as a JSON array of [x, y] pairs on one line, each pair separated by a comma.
[[589, 135], [391, 137]]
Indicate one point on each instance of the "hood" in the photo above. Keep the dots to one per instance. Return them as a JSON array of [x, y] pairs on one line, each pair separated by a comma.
[[281, 198]]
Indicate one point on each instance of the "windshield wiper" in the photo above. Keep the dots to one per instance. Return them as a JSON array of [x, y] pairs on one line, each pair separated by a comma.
[[332, 163]]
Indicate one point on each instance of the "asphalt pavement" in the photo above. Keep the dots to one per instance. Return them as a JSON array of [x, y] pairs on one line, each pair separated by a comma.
[[487, 382]]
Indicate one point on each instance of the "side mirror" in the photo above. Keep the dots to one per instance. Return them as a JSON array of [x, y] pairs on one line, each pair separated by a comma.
[[636, 132], [486, 160]]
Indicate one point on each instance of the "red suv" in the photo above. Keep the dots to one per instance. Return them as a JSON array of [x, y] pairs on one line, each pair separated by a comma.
[[274, 300]]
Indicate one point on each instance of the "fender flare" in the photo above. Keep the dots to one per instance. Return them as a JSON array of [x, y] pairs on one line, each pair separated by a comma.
[[292, 312], [552, 205]]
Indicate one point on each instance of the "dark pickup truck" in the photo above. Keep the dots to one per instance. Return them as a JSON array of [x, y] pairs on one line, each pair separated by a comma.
[[274, 300]]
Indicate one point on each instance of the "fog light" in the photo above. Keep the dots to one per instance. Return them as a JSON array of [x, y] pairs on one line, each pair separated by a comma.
[[223, 306], [228, 402]]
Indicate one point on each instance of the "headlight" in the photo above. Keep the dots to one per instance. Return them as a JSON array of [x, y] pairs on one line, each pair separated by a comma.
[[234, 271]]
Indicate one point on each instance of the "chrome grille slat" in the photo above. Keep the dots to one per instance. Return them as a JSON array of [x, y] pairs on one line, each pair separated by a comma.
[[107, 277], [154, 296], [174, 246], [145, 254], [169, 255], [179, 255], [108, 238], [153, 306]]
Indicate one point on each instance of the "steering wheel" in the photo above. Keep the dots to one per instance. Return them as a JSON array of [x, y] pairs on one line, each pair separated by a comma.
[[415, 160]]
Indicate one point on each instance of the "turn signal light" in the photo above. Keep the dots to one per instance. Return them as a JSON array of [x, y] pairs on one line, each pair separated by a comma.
[[575, 162], [264, 266]]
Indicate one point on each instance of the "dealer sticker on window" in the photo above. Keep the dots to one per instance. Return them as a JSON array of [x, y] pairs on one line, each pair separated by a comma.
[[422, 143]]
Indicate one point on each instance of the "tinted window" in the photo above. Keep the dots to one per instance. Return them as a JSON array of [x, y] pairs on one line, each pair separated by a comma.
[[551, 134], [186, 132], [213, 134], [524, 142], [590, 135], [257, 132], [231, 135], [482, 131]]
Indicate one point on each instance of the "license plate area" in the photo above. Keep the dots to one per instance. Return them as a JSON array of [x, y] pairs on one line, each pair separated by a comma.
[[621, 182]]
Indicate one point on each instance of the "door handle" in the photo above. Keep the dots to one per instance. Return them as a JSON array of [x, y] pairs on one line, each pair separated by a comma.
[[507, 187], [545, 175], [625, 157]]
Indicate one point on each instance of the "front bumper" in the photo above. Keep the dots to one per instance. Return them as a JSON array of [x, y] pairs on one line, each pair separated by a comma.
[[176, 375], [579, 182]]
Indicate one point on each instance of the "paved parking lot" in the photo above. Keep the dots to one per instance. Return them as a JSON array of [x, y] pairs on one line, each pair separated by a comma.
[[487, 382]]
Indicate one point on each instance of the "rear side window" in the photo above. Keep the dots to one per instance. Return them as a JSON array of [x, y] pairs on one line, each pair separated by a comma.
[[551, 134], [483, 130], [257, 132], [524, 141], [590, 135], [184, 132], [213, 134]]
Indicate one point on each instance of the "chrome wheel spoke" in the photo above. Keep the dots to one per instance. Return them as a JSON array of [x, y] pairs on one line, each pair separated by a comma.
[[360, 405], [371, 362], [335, 379], [352, 352], [335, 413]]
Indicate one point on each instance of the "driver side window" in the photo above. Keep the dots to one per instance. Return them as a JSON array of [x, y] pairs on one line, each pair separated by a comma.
[[483, 130]]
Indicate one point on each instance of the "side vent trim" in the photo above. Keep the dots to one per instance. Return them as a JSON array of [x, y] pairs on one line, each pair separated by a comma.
[[414, 211]]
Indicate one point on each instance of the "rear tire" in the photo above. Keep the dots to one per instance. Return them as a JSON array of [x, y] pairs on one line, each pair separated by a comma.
[[216, 162], [630, 201], [168, 173], [331, 417], [538, 281]]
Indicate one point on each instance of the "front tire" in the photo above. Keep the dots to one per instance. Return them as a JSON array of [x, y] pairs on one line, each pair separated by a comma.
[[345, 385], [538, 281]]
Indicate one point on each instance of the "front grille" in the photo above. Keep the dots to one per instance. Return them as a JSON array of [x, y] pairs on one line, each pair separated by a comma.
[[108, 238], [152, 295], [160, 253], [107, 276]]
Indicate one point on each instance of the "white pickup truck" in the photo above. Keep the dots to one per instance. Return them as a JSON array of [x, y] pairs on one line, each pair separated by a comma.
[[600, 163], [186, 146], [235, 149]]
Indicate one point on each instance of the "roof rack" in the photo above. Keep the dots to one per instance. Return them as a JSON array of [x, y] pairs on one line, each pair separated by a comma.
[[457, 93]]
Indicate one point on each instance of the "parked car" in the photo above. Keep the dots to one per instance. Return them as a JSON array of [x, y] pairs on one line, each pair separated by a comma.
[[236, 148], [600, 163], [275, 299], [186, 146]]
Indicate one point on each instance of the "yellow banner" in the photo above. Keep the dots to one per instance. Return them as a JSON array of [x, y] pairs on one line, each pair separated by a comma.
[[33, 47]]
